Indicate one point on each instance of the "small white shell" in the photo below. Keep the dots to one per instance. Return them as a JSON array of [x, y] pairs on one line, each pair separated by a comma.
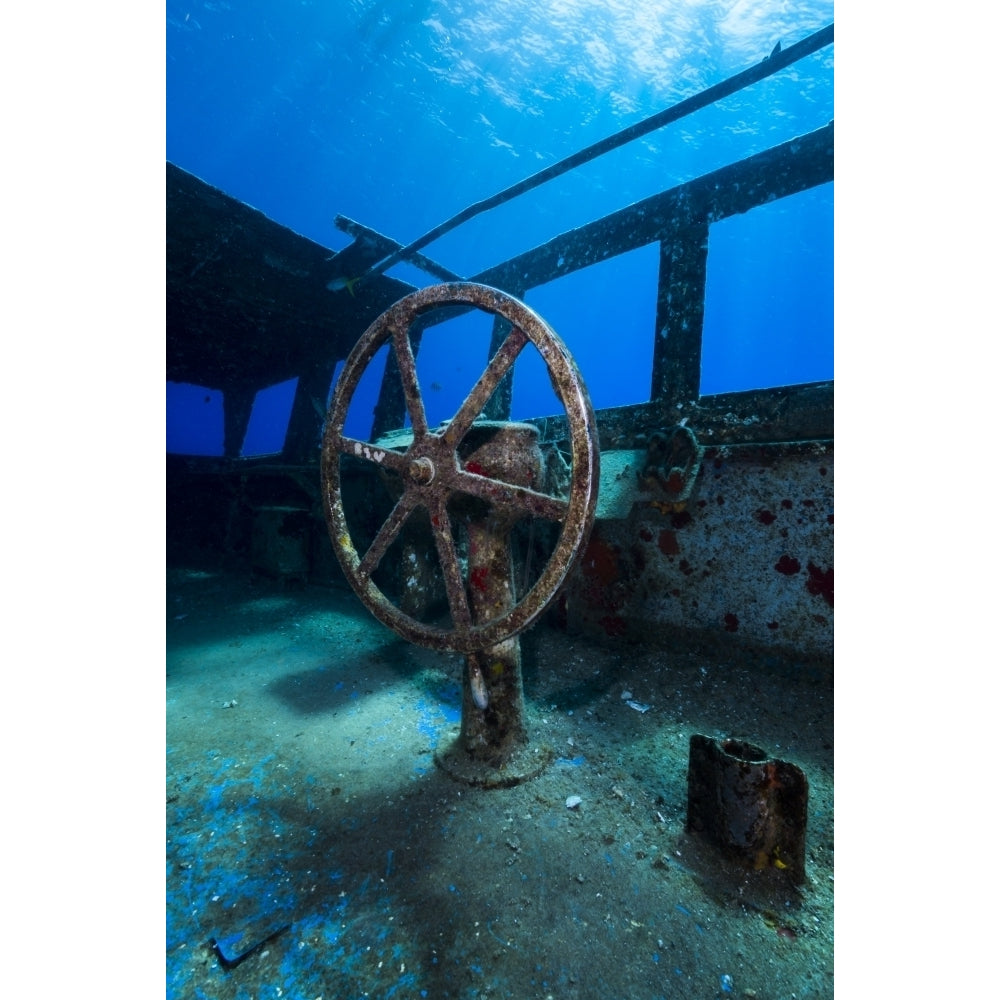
[[573, 802], [478, 685]]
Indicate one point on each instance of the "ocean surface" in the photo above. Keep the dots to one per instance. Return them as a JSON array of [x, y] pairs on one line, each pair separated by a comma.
[[400, 114]]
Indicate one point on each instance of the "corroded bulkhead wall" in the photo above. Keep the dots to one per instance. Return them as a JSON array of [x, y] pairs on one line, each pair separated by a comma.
[[748, 559]]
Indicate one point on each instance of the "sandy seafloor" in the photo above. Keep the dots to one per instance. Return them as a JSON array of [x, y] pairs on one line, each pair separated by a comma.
[[303, 799]]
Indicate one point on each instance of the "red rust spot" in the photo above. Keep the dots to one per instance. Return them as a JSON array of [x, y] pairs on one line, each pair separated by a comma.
[[765, 516], [681, 519], [613, 625], [601, 561], [732, 622], [685, 567], [675, 481], [787, 933], [808, 503], [478, 578], [474, 467], [668, 543], [703, 503], [820, 582], [772, 625], [645, 534], [822, 470], [720, 499], [435, 521], [787, 504], [829, 518], [638, 560]]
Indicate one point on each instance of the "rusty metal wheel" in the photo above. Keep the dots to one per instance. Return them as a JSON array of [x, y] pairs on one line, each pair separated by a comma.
[[431, 473]]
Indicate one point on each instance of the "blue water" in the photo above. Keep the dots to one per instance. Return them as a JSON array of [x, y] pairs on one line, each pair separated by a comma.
[[399, 114]]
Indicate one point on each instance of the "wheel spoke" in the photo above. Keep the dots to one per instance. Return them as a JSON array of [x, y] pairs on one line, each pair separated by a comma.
[[407, 365], [518, 499], [454, 586], [384, 457], [387, 534], [477, 399]]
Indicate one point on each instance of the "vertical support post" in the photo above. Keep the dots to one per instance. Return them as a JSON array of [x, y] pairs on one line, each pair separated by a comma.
[[498, 407], [237, 404], [493, 732], [492, 747], [680, 314], [305, 425]]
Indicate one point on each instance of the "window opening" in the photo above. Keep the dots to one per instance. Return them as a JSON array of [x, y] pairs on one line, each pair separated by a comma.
[[195, 420], [451, 357], [268, 424], [606, 315], [769, 296], [361, 409]]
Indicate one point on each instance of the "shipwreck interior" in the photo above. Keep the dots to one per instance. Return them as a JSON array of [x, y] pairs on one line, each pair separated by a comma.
[[602, 707]]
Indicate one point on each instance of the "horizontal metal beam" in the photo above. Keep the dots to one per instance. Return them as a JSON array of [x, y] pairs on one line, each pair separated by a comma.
[[786, 169]]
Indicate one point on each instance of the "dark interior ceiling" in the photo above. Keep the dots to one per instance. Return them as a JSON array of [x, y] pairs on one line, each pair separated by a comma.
[[247, 302]]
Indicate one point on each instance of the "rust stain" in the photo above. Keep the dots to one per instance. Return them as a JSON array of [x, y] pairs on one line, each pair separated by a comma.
[[601, 561], [681, 519], [732, 622], [820, 582], [787, 565], [667, 543], [765, 516]]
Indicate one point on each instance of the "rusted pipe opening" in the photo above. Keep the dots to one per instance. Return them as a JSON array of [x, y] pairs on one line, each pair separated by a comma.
[[748, 805], [740, 750]]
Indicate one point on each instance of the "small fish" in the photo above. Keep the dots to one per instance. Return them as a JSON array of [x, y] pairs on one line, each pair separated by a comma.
[[436, 387], [339, 284]]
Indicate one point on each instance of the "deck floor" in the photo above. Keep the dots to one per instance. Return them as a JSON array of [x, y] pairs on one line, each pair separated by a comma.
[[303, 801]]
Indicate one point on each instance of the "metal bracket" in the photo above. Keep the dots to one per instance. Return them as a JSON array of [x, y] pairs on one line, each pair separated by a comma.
[[673, 459]]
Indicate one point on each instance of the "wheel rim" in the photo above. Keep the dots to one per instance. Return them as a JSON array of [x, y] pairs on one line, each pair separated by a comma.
[[432, 473]]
